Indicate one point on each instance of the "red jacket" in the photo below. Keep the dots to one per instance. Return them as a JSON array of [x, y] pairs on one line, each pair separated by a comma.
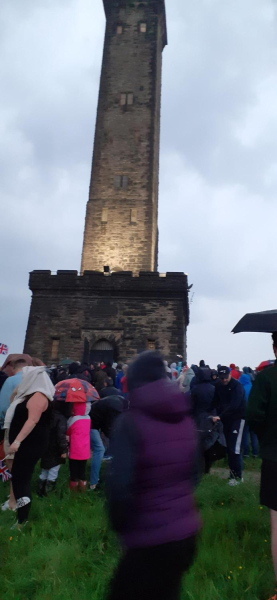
[[234, 373]]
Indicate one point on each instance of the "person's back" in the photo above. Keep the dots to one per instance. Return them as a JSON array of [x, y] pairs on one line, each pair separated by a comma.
[[246, 383], [150, 487], [104, 412], [109, 391], [9, 386], [100, 377], [202, 393], [110, 372], [164, 505], [235, 374], [189, 375], [262, 412]]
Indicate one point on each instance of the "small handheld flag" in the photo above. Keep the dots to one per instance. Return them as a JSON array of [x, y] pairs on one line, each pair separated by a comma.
[[3, 349], [4, 472]]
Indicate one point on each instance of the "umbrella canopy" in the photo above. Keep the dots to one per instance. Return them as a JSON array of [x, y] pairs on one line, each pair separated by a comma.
[[265, 322], [264, 364], [75, 390], [65, 362]]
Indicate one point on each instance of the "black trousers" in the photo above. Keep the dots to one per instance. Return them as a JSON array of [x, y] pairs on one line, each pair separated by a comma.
[[22, 471], [153, 573], [77, 469]]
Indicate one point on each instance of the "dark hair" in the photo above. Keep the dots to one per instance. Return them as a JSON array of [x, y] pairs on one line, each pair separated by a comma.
[[20, 362], [109, 382], [108, 364], [274, 338]]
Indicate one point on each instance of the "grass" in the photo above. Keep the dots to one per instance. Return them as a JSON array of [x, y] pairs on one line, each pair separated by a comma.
[[69, 553]]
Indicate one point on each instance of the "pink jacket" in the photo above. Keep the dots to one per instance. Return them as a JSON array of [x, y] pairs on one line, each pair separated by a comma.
[[79, 433]]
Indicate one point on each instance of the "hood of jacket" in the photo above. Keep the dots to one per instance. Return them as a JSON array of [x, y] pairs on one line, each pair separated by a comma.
[[245, 380], [161, 400], [204, 375]]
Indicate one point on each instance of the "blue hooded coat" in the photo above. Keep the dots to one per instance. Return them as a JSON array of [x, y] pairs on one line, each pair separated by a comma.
[[246, 382]]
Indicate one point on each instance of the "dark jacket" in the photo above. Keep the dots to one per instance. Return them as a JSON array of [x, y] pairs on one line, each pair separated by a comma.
[[262, 411], [110, 372], [109, 391], [150, 491], [229, 401], [99, 378], [202, 394], [57, 443], [104, 412]]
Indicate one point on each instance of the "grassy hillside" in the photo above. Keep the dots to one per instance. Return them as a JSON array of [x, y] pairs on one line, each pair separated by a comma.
[[68, 552]]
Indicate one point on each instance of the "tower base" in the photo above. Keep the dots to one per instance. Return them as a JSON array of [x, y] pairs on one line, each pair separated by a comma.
[[97, 316]]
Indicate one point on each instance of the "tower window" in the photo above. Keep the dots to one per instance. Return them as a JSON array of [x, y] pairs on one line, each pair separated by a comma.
[[143, 27], [119, 29], [133, 215], [104, 216], [55, 349], [121, 182], [130, 98], [123, 99], [126, 98]]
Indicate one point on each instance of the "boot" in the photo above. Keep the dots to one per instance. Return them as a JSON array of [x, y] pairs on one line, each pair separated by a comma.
[[50, 486], [73, 486], [83, 486], [41, 488]]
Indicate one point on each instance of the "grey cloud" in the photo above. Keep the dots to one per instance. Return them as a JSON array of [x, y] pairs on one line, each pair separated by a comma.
[[218, 156]]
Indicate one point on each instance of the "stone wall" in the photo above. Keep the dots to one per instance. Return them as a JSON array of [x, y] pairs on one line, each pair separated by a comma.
[[121, 224], [130, 312]]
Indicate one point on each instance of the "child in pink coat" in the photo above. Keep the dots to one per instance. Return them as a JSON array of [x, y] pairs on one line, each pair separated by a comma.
[[79, 444]]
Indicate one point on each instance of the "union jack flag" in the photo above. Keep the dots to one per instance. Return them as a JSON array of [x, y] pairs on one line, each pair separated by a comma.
[[4, 471], [4, 349]]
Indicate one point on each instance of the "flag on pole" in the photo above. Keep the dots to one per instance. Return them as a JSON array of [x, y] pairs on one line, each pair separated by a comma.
[[4, 471], [3, 349]]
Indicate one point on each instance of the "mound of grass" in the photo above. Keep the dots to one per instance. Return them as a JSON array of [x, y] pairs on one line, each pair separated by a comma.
[[68, 551]]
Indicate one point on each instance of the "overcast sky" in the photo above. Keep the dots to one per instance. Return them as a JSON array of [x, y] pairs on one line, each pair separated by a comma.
[[218, 183]]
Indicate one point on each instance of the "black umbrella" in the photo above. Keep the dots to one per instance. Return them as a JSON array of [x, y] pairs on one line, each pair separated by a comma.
[[265, 322]]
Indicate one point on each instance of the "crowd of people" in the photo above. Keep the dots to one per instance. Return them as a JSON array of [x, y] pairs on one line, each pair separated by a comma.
[[159, 428]]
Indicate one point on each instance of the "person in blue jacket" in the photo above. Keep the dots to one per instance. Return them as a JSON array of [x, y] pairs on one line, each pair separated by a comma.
[[230, 405], [245, 380]]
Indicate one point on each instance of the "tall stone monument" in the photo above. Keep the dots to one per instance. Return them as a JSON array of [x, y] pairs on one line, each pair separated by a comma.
[[120, 304]]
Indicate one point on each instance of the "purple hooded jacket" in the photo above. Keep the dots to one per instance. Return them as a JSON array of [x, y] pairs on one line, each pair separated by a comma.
[[163, 508]]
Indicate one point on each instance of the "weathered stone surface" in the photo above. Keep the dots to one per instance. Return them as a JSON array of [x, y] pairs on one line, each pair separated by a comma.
[[70, 313], [127, 311], [127, 141]]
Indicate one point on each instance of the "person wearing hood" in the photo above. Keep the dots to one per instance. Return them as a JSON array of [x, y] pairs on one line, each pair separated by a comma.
[[168, 370], [189, 375], [235, 374], [248, 371], [149, 487], [247, 384], [214, 376], [202, 397], [173, 368], [194, 380], [202, 394]]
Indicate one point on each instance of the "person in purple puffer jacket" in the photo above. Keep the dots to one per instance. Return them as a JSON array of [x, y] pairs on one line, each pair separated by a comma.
[[150, 486]]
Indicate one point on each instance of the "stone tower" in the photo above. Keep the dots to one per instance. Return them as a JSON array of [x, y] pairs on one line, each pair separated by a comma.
[[130, 307], [122, 211]]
